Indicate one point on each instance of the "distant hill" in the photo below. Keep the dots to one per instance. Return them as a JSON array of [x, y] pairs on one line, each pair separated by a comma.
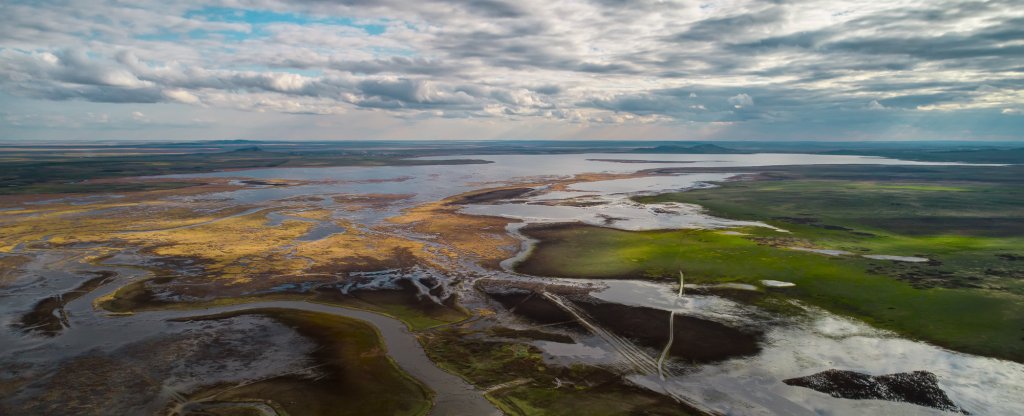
[[1005, 155], [694, 149], [205, 143], [236, 141]]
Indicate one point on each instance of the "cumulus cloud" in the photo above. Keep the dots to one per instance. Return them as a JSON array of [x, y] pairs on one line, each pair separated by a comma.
[[741, 100], [741, 64]]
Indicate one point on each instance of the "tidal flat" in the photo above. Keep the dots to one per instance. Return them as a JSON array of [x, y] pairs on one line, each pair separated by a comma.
[[540, 284]]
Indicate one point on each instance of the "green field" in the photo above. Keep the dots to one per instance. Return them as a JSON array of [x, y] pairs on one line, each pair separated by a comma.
[[969, 297], [973, 231]]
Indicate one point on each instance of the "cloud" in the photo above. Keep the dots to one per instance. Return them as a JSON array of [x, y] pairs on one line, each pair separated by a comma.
[[744, 24], [741, 100], [182, 96], [742, 64]]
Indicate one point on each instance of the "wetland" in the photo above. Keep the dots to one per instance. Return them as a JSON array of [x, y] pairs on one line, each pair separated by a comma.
[[447, 282]]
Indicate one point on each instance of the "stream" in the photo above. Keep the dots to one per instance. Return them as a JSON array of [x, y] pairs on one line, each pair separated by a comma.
[[454, 396]]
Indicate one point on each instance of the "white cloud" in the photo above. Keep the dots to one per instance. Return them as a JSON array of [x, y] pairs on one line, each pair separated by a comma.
[[182, 96], [741, 100], [526, 61]]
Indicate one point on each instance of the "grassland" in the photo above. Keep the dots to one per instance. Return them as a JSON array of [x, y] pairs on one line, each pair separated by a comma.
[[973, 231], [968, 298]]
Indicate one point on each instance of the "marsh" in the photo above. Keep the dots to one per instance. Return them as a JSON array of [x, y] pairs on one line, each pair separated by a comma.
[[442, 262]]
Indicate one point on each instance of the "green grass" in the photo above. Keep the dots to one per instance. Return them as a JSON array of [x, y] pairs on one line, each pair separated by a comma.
[[977, 321], [920, 188], [974, 231], [916, 208]]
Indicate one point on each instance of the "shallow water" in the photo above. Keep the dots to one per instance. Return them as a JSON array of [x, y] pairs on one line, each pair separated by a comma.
[[777, 283], [907, 259], [611, 206], [827, 252], [608, 204], [431, 183], [753, 385]]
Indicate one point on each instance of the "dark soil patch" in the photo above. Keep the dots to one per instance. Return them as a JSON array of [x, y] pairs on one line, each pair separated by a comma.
[[256, 182], [487, 197], [1010, 257], [407, 295], [48, 316], [531, 334], [696, 339], [919, 387], [532, 306]]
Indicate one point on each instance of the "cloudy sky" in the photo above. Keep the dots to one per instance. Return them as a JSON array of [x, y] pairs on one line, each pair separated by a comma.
[[485, 69]]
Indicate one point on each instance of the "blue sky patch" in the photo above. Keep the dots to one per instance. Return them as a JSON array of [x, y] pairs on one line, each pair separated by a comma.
[[262, 17]]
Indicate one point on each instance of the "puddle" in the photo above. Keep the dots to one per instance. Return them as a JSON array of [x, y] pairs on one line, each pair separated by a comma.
[[824, 251], [777, 283], [897, 258]]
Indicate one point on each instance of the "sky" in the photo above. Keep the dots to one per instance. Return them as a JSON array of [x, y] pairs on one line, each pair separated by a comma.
[[522, 69]]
